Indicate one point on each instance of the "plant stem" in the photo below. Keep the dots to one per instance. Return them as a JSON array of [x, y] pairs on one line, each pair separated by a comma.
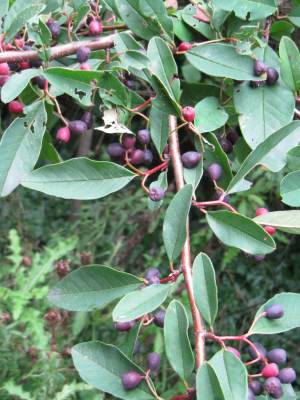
[[186, 252]]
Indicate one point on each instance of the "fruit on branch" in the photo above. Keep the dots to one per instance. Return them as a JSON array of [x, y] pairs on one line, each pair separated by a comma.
[[124, 326], [259, 67], [287, 375], [88, 119], [83, 54], [24, 65], [234, 351], [159, 318], [115, 150], [144, 136], [261, 211], [62, 268], [95, 28], [4, 69], [148, 157], [188, 113], [251, 395], [272, 76], [277, 356], [39, 81], [226, 145], [270, 230], [191, 159], [256, 387], [156, 193], [256, 84], [260, 349], [15, 107], [215, 171], [3, 79], [270, 370], [184, 46], [273, 387], [137, 157], [153, 361], [152, 275], [85, 258], [128, 141], [78, 126], [131, 380], [275, 311], [54, 28], [63, 134], [85, 67]]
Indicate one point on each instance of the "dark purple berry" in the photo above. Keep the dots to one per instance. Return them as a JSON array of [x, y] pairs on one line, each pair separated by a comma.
[[131, 380], [233, 135], [256, 84], [259, 67], [35, 63], [54, 28], [39, 81], [156, 193], [137, 157], [256, 387], [287, 375], [275, 311], [115, 150], [272, 76], [226, 145], [191, 159], [214, 171], [148, 157], [273, 387], [78, 126], [260, 348], [277, 356], [151, 272], [250, 395], [159, 318], [153, 361], [124, 326], [87, 118], [143, 136], [83, 54], [128, 141]]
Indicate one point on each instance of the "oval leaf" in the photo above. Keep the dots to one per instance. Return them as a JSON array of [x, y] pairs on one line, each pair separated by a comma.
[[236, 230], [17, 83], [286, 221], [178, 346], [248, 9], [290, 189], [92, 287], [290, 63], [210, 115], [207, 384]]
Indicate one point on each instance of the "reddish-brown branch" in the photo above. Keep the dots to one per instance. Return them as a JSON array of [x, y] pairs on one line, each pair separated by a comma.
[[186, 252], [221, 203]]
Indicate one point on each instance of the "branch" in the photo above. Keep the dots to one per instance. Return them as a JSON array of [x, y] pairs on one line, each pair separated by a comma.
[[186, 252]]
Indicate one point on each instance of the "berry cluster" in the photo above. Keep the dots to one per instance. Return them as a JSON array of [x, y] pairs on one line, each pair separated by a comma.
[[260, 68]]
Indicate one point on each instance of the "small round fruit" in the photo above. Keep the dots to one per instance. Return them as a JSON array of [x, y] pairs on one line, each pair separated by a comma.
[[277, 356], [156, 193], [148, 157], [128, 141], [78, 126], [27, 261], [256, 387], [131, 380], [226, 145], [124, 326], [256, 84], [54, 28], [272, 76], [273, 387], [260, 348], [261, 211], [83, 54], [4, 69], [188, 113], [88, 119], [233, 135], [214, 171], [287, 375], [95, 28], [234, 351], [39, 81], [270, 370], [24, 65], [15, 107], [184, 46], [159, 318], [151, 272], [63, 134], [191, 159], [275, 311], [259, 67], [270, 230], [3, 79], [144, 136], [62, 268], [115, 150], [85, 67], [137, 157], [153, 361], [251, 395]]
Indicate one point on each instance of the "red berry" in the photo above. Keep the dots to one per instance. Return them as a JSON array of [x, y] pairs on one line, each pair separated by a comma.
[[85, 67], [95, 28], [3, 79], [128, 141], [63, 134], [24, 65], [270, 371], [4, 69], [19, 42], [184, 46], [261, 211], [270, 230], [15, 107], [188, 113]]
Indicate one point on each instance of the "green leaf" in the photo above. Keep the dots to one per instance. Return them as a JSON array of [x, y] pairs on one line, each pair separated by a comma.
[[178, 346], [272, 152], [290, 189], [159, 127], [210, 115], [163, 100], [4, 4], [140, 302], [20, 147], [293, 158], [290, 320], [207, 384], [256, 106], [156, 10], [102, 365], [44, 33], [79, 178], [92, 287], [17, 83], [205, 288], [221, 59], [236, 230], [290, 63], [286, 221], [294, 16], [231, 374], [130, 340], [248, 9], [174, 227], [187, 14], [193, 176]]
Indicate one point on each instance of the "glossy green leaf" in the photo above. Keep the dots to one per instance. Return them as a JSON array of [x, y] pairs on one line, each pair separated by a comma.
[[231, 374], [164, 101], [79, 178], [290, 189], [238, 231], [17, 83], [193, 176], [272, 152], [256, 106], [207, 384], [156, 10], [290, 320], [248, 9], [92, 287], [140, 302], [205, 288], [178, 346], [290, 63], [293, 158], [210, 115], [174, 227], [294, 16], [187, 14], [286, 221], [102, 366], [221, 59], [159, 127], [20, 147]]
